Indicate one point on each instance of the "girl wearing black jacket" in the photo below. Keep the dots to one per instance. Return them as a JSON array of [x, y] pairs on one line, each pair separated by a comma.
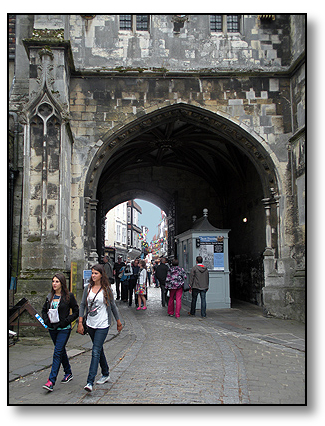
[[56, 315]]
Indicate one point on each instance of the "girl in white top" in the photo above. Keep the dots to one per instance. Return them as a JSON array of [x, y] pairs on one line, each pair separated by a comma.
[[141, 287], [98, 301]]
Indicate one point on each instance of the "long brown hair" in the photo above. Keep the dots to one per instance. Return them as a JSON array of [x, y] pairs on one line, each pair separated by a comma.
[[64, 289], [108, 294]]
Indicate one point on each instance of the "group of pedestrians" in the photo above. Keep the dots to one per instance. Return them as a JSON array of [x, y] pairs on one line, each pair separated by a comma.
[[171, 281], [133, 278], [198, 285], [97, 306]]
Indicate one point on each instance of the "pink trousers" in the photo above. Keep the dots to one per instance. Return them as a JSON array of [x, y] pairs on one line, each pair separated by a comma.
[[175, 294]]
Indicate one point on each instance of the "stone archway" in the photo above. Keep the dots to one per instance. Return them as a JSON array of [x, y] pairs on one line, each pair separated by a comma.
[[209, 161], [236, 134]]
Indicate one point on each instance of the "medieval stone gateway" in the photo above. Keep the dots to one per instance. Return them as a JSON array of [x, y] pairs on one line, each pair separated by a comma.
[[184, 116]]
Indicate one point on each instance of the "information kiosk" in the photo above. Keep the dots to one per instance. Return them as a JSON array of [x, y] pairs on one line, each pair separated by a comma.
[[211, 243]]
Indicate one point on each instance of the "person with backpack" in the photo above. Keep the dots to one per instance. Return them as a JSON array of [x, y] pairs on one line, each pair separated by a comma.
[[124, 276]]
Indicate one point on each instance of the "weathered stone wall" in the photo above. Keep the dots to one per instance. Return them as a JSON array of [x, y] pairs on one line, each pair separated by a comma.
[[100, 79], [260, 103], [98, 44]]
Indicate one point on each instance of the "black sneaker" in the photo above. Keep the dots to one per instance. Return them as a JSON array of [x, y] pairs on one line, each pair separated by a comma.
[[67, 378], [48, 386]]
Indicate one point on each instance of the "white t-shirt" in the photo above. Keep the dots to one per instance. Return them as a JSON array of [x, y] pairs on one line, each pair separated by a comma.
[[97, 314]]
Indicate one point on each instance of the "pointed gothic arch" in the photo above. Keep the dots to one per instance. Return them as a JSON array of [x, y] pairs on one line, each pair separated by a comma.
[[234, 134], [207, 149]]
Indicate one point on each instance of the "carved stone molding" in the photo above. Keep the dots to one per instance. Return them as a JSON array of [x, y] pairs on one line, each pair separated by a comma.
[[220, 125]]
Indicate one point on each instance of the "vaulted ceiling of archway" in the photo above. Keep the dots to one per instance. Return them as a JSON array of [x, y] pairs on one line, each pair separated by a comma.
[[183, 146], [184, 141]]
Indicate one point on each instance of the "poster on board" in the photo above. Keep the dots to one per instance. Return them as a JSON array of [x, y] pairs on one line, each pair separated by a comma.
[[86, 276], [212, 251]]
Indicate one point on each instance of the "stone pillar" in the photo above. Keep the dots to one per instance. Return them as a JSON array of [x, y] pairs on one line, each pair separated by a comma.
[[46, 230], [91, 255], [269, 260]]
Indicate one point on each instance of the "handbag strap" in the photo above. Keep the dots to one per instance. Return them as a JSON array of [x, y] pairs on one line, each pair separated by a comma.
[[91, 303]]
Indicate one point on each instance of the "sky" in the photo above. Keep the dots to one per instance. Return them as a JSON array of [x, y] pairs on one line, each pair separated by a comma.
[[150, 217]]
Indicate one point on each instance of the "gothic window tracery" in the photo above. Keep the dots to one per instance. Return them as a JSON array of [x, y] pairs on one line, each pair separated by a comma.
[[45, 142]]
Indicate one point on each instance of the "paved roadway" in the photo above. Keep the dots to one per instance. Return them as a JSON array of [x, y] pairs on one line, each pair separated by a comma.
[[234, 356]]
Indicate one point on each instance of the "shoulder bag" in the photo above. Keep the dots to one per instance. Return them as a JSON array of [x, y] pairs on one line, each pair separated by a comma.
[[186, 286]]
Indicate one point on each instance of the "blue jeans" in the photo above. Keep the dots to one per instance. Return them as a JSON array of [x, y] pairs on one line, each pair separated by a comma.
[[195, 293], [98, 336], [60, 339]]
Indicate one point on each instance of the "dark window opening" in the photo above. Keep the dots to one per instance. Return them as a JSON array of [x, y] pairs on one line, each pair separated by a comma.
[[216, 23], [125, 22], [142, 22], [137, 22], [233, 23]]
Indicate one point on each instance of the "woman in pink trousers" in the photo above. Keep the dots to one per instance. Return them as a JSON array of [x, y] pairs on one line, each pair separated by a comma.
[[175, 283]]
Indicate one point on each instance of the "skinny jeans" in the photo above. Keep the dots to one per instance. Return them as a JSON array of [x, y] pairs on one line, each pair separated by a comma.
[[98, 336], [60, 339]]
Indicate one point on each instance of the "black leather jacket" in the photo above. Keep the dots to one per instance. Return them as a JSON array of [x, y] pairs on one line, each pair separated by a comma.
[[64, 312]]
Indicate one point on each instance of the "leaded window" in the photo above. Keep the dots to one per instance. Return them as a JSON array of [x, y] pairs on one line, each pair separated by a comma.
[[232, 23], [225, 23], [142, 22], [137, 22], [125, 22], [216, 23]]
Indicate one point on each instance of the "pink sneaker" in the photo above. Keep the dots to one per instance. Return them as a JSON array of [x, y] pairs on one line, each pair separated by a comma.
[[144, 308], [48, 386], [138, 309]]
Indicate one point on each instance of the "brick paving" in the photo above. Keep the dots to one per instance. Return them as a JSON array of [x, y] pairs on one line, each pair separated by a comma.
[[233, 357]]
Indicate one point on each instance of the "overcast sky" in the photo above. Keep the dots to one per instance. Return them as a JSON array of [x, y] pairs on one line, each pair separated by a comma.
[[150, 217]]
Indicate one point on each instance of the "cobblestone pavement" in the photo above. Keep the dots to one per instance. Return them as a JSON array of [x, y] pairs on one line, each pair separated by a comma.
[[230, 357]]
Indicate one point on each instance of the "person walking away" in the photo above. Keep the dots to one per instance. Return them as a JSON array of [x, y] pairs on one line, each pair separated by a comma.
[[133, 281], [141, 286], [149, 273], [56, 315], [124, 275], [199, 285], [175, 284], [154, 279], [98, 302], [116, 271], [108, 269], [161, 274]]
